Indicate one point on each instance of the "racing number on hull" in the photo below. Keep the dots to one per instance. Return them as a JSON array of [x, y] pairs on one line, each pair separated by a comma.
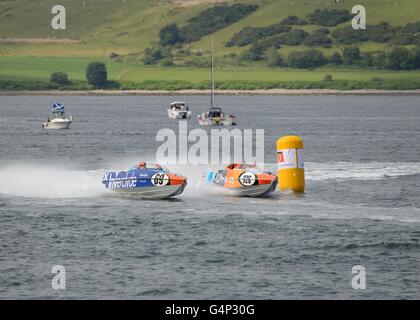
[[160, 179], [247, 179]]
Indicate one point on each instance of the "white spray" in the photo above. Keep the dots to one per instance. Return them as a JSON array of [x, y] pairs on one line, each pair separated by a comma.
[[50, 182]]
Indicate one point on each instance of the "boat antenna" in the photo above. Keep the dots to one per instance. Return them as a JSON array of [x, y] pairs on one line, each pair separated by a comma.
[[212, 71]]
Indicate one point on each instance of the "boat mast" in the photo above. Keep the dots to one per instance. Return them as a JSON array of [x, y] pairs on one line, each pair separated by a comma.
[[212, 72]]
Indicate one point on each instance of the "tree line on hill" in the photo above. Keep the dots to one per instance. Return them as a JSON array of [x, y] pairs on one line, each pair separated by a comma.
[[398, 58], [278, 34], [380, 33], [205, 23], [282, 33], [221, 16]]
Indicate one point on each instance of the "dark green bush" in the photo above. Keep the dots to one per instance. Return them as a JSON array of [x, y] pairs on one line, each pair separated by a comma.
[[351, 56], [336, 59], [198, 62], [154, 55], [170, 35], [318, 38], [273, 58], [328, 77], [306, 59], [382, 32], [293, 38], [59, 78], [329, 18], [293, 21], [249, 35], [166, 62], [399, 58], [367, 59], [96, 74]]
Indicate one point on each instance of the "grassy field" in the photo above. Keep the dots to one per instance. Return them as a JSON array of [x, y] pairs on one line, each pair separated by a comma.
[[37, 68]]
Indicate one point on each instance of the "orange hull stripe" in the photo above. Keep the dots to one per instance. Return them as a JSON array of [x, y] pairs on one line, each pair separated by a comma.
[[175, 180]]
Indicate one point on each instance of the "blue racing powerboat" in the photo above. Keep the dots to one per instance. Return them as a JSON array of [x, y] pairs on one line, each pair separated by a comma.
[[148, 181]]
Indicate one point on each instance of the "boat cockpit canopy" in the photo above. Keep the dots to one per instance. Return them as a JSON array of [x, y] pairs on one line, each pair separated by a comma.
[[243, 166], [215, 112], [179, 106], [149, 166]]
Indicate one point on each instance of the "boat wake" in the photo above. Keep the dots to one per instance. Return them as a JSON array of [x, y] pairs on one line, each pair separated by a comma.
[[50, 182], [339, 171], [44, 181], [359, 171]]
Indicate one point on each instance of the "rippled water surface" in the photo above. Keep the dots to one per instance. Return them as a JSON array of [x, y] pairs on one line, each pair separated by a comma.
[[361, 206]]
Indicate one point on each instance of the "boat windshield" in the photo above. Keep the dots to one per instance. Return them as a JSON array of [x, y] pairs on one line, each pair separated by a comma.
[[155, 166], [57, 114], [179, 106], [243, 166], [150, 166], [250, 166]]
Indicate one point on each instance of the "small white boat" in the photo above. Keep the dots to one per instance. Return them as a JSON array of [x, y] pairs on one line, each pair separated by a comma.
[[58, 119], [215, 115], [179, 110]]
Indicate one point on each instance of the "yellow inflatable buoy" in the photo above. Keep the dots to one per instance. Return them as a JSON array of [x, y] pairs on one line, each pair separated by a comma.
[[291, 171]]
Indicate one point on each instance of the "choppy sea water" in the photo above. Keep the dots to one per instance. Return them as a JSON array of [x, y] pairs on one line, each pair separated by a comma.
[[361, 205]]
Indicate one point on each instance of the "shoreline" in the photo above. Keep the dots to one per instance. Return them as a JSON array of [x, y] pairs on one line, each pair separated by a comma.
[[193, 92]]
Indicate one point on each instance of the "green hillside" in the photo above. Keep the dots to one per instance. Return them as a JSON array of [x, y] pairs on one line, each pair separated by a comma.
[[31, 50], [129, 26]]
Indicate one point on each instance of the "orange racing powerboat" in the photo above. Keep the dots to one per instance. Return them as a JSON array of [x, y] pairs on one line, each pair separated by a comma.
[[243, 180]]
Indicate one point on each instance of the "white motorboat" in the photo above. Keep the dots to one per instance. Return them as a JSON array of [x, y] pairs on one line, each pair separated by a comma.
[[215, 115], [179, 110], [58, 119]]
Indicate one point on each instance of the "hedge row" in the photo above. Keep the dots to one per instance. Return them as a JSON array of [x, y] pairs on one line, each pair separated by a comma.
[[376, 83]]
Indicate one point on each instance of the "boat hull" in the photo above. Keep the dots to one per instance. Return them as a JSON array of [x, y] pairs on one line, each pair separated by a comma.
[[145, 183], [243, 183], [152, 193], [213, 122], [254, 191], [56, 125], [179, 115]]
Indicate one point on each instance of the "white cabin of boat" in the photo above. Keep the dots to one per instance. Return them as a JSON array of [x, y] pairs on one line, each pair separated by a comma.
[[179, 110]]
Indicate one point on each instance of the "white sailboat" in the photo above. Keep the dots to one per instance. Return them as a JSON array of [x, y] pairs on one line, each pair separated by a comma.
[[215, 115]]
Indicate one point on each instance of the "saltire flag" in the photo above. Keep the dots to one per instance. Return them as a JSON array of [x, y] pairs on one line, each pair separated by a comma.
[[58, 107]]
